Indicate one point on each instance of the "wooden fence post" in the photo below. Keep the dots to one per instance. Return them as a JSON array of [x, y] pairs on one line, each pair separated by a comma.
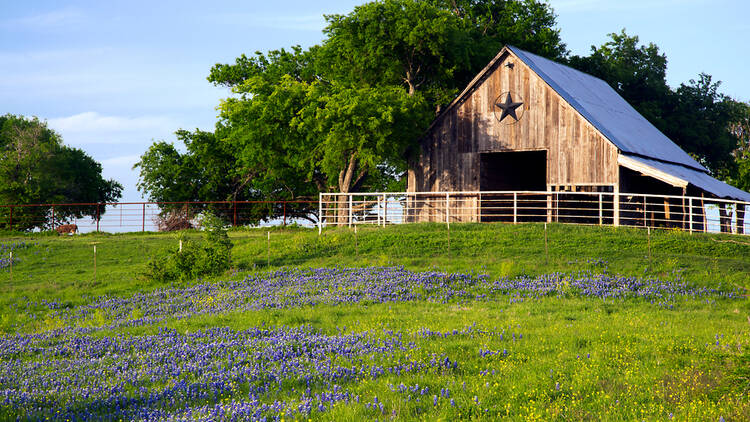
[[11, 218], [143, 220], [97, 223], [601, 211], [515, 207], [690, 214]]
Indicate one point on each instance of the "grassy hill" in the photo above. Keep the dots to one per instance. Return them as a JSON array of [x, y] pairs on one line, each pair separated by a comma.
[[482, 321]]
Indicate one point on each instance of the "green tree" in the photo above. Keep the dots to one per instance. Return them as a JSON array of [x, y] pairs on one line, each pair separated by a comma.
[[36, 168], [637, 72], [701, 123], [740, 129]]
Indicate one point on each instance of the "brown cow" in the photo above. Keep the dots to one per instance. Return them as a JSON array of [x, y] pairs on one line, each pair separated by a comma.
[[67, 229]]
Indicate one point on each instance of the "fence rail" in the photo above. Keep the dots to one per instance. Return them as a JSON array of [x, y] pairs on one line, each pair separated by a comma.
[[147, 216], [592, 208]]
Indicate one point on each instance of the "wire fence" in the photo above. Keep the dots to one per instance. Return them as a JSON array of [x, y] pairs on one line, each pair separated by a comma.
[[153, 216], [694, 214], [689, 213]]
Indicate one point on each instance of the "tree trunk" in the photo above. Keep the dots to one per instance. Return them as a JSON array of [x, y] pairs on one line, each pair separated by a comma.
[[345, 184]]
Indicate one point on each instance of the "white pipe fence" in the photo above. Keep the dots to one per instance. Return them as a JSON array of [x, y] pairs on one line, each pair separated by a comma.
[[688, 213]]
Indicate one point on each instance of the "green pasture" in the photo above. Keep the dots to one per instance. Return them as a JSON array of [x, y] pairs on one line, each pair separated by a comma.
[[578, 358]]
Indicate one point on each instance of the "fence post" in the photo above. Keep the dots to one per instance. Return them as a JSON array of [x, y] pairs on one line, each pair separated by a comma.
[[284, 213], [616, 206], [11, 218], [690, 213], [351, 211], [320, 213], [447, 210], [601, 214], [53, 217], [378, 208], [645, 217], [385, 210], [97, 223], [234, 220], [515, 207], [143, 220]]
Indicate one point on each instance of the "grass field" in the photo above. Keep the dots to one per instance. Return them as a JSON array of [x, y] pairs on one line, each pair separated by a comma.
[[408, 322]]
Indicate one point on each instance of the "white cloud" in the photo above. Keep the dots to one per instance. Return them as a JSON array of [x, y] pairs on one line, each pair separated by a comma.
[[125, 161], [93, 122]]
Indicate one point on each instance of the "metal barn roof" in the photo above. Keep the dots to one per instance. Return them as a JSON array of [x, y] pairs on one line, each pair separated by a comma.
[[678, 175], [607, 111]]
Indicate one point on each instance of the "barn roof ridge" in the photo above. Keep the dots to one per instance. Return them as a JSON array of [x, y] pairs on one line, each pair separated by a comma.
[[598, 103]]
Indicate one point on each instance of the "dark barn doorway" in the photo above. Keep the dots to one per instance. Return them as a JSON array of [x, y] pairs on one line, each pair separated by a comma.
[[513, 171]]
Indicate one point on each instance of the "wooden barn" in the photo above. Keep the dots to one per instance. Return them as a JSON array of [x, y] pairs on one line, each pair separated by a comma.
[[526, 123]]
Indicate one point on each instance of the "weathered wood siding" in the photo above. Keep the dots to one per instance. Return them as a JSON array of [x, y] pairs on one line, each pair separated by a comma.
[[576, 152]]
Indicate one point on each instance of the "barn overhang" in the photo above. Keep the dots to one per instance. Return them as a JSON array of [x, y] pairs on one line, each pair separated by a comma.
[[681, 176]]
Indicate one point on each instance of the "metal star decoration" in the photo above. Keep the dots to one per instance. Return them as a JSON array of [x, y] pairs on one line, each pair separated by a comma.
[[508, 108]]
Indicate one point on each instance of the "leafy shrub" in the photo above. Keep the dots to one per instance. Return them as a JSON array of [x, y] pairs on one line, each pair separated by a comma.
[[212, 256]]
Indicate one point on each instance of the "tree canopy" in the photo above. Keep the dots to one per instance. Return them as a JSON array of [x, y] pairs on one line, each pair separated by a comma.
[[344, 115], [37, 168]]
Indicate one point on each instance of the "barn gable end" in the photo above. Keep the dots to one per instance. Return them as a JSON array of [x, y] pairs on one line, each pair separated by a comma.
[[577, 154]]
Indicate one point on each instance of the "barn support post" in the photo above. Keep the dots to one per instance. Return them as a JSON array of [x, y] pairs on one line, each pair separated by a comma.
[[682, 210], [351, 211], [690, 212], [515, 207], [601, 211], [320, 213], [740, 218]]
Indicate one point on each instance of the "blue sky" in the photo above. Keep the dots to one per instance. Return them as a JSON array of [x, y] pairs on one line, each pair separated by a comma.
[[112, 76]]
